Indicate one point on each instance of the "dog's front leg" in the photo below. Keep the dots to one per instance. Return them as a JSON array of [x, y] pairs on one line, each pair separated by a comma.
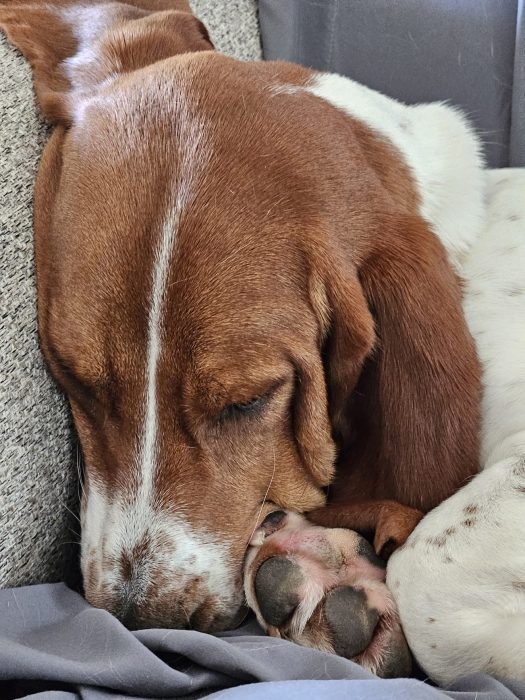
[[390, 522]]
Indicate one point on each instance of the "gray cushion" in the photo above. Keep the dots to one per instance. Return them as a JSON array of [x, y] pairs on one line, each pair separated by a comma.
[[469, 52], [37, 467]]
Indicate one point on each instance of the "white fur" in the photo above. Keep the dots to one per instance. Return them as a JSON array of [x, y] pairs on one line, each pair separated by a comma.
[[462, 604], [88, 25], [112, 528], [193, 156]]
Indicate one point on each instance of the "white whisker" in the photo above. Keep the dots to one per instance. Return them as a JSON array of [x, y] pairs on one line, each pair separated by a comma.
[[264, 500], [70, 511], [80, 490]]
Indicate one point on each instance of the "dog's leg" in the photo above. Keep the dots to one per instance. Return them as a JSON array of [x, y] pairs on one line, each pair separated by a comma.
[[324, 588], [391, 522], [459, 581]]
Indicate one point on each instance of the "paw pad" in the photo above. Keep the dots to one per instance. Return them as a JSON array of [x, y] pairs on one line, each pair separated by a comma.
[[277, 585], [351, 621]]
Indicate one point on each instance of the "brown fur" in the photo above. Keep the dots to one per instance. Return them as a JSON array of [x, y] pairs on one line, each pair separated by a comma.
[[301, 267]]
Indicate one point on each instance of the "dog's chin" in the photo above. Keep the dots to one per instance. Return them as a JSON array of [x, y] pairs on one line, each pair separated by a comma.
[[164, 613], [218, 623]]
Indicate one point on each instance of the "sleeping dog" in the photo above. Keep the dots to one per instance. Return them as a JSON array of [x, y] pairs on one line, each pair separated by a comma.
[[246, 288]]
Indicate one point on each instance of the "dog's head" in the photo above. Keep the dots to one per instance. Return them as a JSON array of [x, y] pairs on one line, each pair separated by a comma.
[[196, 300], [172, 308]]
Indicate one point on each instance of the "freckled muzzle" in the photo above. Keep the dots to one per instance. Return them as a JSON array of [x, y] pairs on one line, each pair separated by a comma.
[[152, 570], [162, 599]]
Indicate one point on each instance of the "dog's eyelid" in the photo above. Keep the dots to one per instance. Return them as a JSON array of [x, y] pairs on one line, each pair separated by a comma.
[[250, 407]]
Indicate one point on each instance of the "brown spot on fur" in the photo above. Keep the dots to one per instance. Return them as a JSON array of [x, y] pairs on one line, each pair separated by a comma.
[[438, 541], [519, 468], [469, 522], [519, 586], [449, 531], [90, 577], [125, 567], [470, 509], [431, 619]]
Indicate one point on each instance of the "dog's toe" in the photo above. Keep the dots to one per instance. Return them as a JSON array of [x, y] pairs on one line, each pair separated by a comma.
[[351, 621], [276, 587]]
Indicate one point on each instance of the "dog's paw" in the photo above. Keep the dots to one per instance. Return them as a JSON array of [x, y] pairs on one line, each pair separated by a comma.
[[394, 526], [390, 521], [324, 588]]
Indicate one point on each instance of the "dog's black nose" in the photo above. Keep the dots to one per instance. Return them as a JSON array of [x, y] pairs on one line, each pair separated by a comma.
[[129, 618]]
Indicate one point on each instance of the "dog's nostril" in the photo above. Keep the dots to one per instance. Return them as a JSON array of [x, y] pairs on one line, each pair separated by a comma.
[[129, 618]]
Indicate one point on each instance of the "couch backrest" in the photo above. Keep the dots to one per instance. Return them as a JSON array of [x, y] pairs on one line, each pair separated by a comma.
[[469, 52]]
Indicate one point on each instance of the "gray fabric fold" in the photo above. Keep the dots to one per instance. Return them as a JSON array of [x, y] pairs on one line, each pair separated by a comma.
[[55, 646]]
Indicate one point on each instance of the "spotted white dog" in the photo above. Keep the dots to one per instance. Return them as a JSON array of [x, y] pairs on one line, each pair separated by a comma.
[[459, 581]]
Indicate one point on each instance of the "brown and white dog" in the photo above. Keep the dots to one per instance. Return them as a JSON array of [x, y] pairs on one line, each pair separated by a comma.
[[240, 289]]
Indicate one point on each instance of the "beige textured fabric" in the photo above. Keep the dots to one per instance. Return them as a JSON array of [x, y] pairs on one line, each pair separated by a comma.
[[233, 26], [38, 472], [36, 465]]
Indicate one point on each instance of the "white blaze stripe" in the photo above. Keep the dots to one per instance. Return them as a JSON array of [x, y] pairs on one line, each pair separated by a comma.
[[113, 523], [193, 155]]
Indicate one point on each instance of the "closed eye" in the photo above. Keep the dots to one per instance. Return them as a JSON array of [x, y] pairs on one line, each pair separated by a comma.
[[247, 408], [250, 408]]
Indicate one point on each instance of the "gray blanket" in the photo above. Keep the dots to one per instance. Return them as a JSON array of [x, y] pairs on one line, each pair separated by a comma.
[[55, 646]]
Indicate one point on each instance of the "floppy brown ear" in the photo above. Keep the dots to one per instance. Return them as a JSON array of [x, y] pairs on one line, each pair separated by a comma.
[[74, 48], [416, 406], [312, 428], [351, 339]]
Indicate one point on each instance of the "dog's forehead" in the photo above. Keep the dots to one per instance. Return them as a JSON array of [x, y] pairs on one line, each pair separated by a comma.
[[159, 164], [205, 107], [161, 210]]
